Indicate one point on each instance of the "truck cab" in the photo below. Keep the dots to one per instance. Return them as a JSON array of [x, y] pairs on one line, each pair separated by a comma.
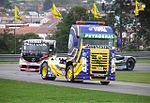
[[33, 51], [90, 55]]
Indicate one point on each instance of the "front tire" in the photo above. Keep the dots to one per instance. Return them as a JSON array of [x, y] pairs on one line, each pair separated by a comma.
[[44, 72], [130, 64], [70, 73]]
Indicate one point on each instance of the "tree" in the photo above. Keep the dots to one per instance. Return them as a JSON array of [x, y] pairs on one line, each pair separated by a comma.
[[47, 5], [145, 23], [7, 43], [5, 3], [12, 44], [63, 28], [124, 17]]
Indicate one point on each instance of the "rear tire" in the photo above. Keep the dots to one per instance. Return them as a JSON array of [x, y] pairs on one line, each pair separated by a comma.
[[44, 72], [130, 64], [105, 82], [70, 73]]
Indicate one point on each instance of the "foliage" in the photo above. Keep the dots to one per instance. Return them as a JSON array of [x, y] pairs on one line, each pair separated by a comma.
[[67, 3], [124, 18], [5, 4], [11, 43], [7, 43], [63, 28], [47, 5], [144, 18]]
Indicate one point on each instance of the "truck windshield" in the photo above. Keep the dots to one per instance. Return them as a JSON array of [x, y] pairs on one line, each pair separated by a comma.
[[98, 43], [35, 47]]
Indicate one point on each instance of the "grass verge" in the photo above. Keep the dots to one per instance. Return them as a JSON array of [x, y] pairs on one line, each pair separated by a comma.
[[23, 92], [133, 76], [143, 61], [8, 62]]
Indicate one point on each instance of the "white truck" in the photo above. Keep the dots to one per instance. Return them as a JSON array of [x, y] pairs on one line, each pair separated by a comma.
[[33, 51]]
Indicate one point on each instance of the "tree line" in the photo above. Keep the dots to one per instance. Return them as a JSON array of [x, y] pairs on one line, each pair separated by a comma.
[[81, 13], [11, 44]]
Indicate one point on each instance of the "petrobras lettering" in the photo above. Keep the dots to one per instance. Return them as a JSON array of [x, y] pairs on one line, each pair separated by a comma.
[[110, 36], [98, 28]]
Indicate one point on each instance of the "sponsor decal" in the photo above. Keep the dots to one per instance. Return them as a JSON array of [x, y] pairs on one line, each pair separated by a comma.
[[35, 44], [105, 36], [98, 29]]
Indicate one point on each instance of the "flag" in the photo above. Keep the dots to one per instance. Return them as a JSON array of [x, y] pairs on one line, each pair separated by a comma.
[[95, 11], [55, 12], [138, 7], [16, 12]]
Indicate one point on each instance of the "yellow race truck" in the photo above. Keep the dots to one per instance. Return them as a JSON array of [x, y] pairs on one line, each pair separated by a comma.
[[90, 56]]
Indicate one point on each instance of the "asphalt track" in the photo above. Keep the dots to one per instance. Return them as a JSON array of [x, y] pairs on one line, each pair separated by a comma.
[[10, 71]]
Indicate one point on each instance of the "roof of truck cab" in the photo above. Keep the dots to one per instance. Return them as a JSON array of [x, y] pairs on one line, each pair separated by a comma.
[[98, 29], [39, 40]]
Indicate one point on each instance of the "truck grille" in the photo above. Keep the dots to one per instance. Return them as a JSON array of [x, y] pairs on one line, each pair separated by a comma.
[[99, 63]]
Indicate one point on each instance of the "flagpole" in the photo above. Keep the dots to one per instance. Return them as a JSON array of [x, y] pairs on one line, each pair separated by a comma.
[[15, 30], [15, 39]]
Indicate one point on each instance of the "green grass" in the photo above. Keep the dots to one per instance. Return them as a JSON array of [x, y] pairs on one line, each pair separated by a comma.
[[23, 92], [133, 76], [8, 62], [143, 61]]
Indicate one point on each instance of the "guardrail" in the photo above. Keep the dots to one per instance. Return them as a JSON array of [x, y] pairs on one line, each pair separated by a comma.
[[9, 57], [138, 54]]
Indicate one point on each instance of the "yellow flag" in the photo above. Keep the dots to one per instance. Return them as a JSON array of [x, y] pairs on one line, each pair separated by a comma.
[[95, 11], [16, 12], [138, 7], [55, 12]]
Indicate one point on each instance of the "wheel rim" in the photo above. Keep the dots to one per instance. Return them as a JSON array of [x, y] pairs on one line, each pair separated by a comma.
[[44, 71], [130, 65], [69, 74]]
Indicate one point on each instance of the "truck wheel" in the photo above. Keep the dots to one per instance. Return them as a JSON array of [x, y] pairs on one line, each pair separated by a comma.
[[44, 73], [105, 82], [130, 64], [70, 73]]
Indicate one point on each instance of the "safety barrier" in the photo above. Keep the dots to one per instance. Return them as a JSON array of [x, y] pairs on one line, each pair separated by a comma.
[[137, 54]]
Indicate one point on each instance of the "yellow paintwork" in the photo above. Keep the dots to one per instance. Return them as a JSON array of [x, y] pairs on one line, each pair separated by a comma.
[[78, 67], [104, 61], [71, 52], [56, 71], [76, 52], [73, 30], [44, 71]]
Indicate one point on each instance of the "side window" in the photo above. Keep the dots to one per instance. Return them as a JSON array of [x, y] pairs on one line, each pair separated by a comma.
[[71, 41]]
